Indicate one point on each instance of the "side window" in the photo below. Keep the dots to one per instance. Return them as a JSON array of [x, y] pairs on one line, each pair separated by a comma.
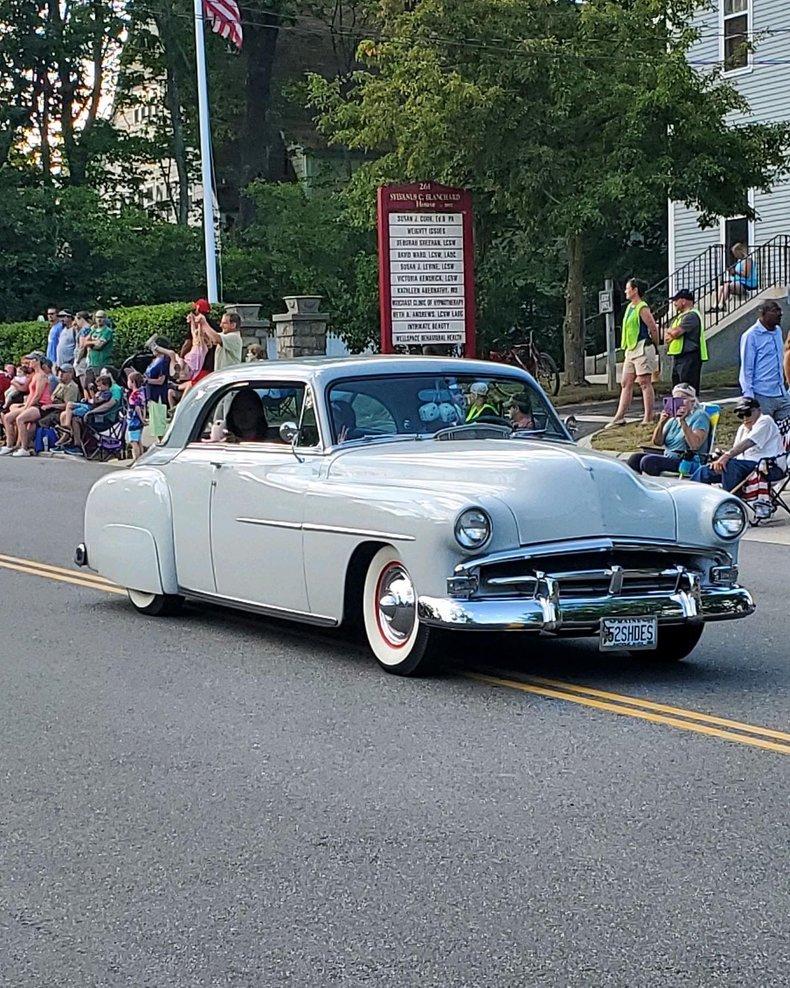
[[253, 413], [735, 21]]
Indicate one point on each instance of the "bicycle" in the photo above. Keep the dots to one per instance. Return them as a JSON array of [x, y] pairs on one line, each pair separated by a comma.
[[528, 357]]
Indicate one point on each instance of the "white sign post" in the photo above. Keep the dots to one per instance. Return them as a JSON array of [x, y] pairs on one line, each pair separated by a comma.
[[606, 306]]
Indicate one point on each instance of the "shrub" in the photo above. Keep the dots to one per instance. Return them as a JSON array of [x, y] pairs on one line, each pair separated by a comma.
[[19, 338]]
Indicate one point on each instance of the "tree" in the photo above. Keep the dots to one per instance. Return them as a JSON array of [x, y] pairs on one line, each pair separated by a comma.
[[566, 120]]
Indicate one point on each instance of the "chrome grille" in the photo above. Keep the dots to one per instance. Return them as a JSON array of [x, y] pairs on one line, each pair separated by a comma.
[[588, 575]]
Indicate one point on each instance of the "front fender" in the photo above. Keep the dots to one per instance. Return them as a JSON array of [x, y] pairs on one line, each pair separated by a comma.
[[129, 530], [695, 505]]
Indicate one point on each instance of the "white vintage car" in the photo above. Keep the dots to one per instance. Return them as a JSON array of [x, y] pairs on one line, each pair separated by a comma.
[[411, 494]]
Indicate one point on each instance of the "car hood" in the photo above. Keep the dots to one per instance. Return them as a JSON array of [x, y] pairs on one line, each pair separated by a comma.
[[555, 490]]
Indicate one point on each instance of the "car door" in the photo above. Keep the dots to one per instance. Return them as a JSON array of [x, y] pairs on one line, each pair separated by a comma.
[[257, 509], [190, 477]]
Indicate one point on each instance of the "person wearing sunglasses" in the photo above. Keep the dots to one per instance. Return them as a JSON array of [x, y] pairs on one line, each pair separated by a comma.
[[758, 438]]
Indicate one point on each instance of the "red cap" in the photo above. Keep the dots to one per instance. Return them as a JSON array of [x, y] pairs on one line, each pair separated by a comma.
[[202, 306]]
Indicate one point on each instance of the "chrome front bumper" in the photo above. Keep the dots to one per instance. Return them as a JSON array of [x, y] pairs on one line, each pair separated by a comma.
[[546, 612]]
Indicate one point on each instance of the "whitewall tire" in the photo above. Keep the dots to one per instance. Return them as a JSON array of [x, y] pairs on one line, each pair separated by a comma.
[[389, 609], [155, 603]]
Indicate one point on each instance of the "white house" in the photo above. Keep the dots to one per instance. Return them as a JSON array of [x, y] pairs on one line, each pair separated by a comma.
[[763, 77]]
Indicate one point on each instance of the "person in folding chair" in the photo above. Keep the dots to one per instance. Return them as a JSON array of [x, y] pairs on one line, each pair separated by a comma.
[[682, 431], [757, 439], [764, 497]]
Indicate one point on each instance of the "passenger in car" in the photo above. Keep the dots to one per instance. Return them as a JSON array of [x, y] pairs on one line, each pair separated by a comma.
[[246, 419], [345, 421]]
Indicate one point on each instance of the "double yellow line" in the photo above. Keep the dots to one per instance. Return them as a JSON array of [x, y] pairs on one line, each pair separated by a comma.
[[61, 575], [553, 689], [649, 710]]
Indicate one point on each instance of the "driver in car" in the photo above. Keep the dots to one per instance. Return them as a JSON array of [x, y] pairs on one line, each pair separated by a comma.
[[520, 411]]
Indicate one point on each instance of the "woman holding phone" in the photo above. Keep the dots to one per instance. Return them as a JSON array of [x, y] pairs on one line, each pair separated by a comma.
[[682, 428]]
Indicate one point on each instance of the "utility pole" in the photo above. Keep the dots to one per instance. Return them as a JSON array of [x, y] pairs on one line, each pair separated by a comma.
[[209, 237]]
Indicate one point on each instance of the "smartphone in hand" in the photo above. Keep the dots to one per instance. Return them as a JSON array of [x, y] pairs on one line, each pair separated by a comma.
[[672, 405]]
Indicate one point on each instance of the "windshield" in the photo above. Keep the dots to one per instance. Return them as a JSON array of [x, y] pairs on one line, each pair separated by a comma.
[[424, 404]]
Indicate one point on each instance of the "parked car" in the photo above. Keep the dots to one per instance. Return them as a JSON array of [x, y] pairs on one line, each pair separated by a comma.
[[411, 494]]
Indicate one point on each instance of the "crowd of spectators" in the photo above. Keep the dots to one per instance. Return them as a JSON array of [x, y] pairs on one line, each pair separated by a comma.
[[56, 400], [682, 435]]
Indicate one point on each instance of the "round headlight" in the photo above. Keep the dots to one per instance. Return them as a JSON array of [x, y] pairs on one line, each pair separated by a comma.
[[473, 528], [729, 519]]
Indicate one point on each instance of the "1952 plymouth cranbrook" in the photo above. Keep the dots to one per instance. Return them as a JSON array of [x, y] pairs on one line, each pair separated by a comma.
[[411, 494]]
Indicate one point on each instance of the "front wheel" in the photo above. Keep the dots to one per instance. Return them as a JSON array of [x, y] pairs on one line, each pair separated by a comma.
[[675, 642], [389, 610], [155, 604]]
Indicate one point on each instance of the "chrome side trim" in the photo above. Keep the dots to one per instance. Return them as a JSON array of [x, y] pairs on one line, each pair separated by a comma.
[[266, 610], [332, 529], [270, 523], [367, 533]]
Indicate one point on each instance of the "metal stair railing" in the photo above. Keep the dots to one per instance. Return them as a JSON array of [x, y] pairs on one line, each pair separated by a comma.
[[771, 264]]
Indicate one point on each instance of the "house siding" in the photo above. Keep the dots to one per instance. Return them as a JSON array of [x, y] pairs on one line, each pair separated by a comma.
[[766, 87]]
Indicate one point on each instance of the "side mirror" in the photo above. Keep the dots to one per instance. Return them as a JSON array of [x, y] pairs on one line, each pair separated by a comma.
[[289, 432], [571, 425]]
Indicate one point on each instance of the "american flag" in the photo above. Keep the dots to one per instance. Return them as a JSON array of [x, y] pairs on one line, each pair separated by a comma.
[[225, 19]]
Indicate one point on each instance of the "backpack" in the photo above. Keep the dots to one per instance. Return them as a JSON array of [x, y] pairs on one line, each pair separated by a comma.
[[45, 439]]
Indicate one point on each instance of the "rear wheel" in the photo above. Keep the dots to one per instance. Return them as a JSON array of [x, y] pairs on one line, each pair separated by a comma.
[[548, 375], [155, 604], [389, 610], [675, 642]]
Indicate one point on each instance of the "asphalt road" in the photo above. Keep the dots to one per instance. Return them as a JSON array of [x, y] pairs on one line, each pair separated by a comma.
[[221, 800]]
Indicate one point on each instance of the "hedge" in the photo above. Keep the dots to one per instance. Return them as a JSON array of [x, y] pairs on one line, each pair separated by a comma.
[[133, 326]]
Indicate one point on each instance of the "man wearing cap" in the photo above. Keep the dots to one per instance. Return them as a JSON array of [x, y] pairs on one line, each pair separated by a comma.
[[63, 318], [479, 405], [758, 438], [67, 341], [762, 371], [67, 390], [686, 338]]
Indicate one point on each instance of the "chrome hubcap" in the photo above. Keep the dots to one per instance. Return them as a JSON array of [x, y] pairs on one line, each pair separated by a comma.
[[396, 604]]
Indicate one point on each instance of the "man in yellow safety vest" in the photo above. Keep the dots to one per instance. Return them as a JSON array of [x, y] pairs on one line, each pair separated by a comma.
[[686, 338]]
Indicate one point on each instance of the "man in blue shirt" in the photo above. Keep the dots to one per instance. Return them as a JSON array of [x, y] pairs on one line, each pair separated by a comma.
[[54, 330], [64, 321], [762, 374]]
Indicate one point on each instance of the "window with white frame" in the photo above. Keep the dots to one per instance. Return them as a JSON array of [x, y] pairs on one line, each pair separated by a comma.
[[735, 24]]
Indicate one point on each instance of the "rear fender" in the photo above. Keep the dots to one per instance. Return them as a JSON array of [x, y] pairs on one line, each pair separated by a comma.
[[129, 530]]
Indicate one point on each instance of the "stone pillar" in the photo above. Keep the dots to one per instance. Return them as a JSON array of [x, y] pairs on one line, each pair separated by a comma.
[[301, 331], [253, 328]]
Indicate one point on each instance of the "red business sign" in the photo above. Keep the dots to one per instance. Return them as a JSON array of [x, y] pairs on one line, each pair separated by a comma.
[[426, 266]]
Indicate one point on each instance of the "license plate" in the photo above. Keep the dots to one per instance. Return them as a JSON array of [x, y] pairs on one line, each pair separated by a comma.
[[628, 633]]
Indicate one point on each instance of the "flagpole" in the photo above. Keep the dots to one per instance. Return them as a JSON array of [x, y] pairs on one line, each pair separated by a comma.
[[209, 236]]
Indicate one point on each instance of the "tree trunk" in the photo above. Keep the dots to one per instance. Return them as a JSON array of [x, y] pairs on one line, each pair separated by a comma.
[[259, 144], [573, 326], [164, 24]]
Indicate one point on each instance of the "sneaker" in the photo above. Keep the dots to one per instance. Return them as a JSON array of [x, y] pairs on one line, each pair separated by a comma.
[[21, 452], [73, 451], [6, 450]]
